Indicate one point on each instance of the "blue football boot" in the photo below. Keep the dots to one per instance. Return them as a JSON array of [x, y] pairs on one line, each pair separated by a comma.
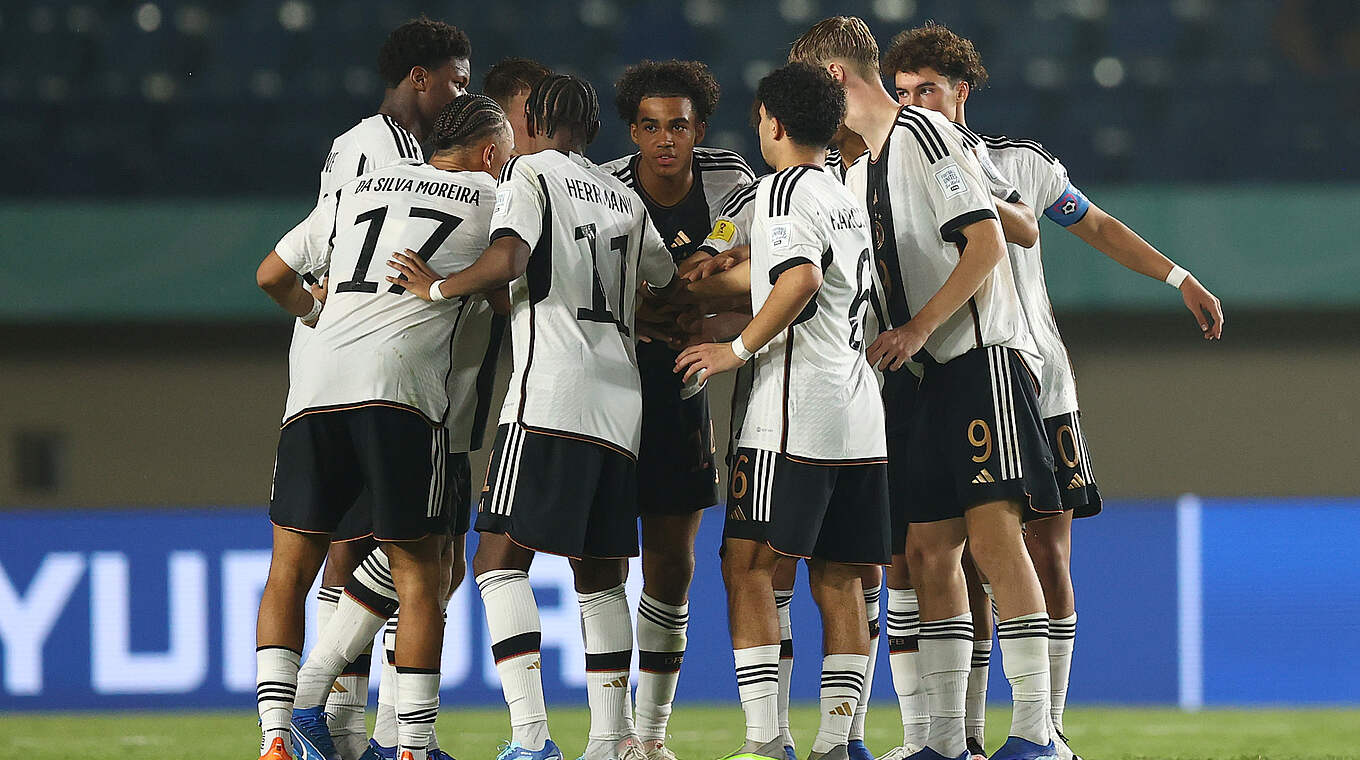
[[929, 754], [858, 751], [377, 751], [311, 736], [1016, 748], [789, 753], [513, 751]]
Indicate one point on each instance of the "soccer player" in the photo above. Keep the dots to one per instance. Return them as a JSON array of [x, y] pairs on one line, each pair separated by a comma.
[[367, 411], [810, 478], [971, 462], [575, 244], [934, 68], [425, 65], [683, 186], [509, 83]]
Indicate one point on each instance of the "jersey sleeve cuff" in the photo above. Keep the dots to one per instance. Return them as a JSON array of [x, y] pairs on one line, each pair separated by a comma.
[[501, 232], [950, 230], [1014, 197], [786, 265]]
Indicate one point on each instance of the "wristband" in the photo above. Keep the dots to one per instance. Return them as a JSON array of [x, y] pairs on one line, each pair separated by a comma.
[[435, 293], [314, 314], [1176, 276], [739, 349]]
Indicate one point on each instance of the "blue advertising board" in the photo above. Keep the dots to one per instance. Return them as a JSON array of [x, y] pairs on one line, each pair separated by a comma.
[[156, 609]]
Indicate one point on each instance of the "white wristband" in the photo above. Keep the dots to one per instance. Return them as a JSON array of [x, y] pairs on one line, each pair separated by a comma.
[[435, 293], [1176, 276], [739, 349], [314, 314]]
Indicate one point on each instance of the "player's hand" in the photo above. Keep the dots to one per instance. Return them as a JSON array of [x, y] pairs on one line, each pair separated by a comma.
[[706, 360], [1205, 306], [415, 275], [709, 267], [895, 347], [318, 290], [712, 328]]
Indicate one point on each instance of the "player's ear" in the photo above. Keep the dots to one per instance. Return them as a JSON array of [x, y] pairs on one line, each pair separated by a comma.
[[961, 91], [419, 78], [837, 72], [777, 129], [633, 133], [699, 130]]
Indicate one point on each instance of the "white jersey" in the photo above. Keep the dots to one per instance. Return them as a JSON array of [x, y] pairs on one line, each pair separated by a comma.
[[718, 173], [374, 143], [1043, 184], [376, 344], [814, 397], [924, 187], [572, 311]]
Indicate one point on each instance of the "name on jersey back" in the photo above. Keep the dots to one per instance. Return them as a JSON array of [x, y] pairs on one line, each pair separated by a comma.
[[592, 193], [450, 190]]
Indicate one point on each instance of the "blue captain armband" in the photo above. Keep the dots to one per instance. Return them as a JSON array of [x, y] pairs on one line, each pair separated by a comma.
[[1070, 207]]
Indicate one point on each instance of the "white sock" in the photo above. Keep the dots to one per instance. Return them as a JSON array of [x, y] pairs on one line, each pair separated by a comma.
[[842, 684], [1062, 635], [975, 715], [326, 599], [417, 709], [607, 629], [516, 635], [862, 707], [758, 686], [783, 601], [276, 670], [946, 647], [1024, 657], [661, 643], [904, 626], [385, 729]]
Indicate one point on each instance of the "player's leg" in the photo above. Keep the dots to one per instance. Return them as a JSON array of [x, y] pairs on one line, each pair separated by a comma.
[[934, 553], [416, 572], [346, 690], [753, 621], [980, 605], [1050, 546], [607, 631], [785, 574], [663, 618], [904, 628], [871, 583], [839, 595], [279, 632], [998, 548]]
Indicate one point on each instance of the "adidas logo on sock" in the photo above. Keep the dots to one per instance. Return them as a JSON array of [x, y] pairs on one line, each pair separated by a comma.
[[842, 709], [535, 665], [618, 683], [336, 688], [1077, 482], [983, 477]]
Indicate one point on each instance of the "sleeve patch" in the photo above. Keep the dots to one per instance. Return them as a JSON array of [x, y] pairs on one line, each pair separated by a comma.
[[779, 236], [1070, 207], [951, 181], [723, 230], [502, 200]]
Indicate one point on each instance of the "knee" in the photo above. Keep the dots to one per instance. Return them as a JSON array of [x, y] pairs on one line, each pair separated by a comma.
[[898, 575], [1049, 556]]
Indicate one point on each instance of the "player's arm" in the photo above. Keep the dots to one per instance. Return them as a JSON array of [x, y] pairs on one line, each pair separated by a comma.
[[1113, 238], [1018, 222], [985, 249], [501, 263], [281, 283]]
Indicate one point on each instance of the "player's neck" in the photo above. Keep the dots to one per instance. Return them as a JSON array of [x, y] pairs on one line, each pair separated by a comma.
[[402, 108], [794, 154], [870, 112], [451, 162], [959, 117], [666, 191]]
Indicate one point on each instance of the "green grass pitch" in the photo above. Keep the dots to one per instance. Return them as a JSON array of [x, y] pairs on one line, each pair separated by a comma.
[[704, 733]]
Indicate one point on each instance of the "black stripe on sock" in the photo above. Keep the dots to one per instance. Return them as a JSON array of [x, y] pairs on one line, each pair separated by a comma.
[[873, 629], [371, 600], [418, 671], [899, 644], [608, 661], [660, 662], [524, 643], [786, 649], [362, 666]]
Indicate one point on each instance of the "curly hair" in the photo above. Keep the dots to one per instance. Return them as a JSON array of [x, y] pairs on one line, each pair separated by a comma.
[[563, 101], [511, 76], [666, 79], [466, 120], [806, 100], [420, 42], [935, 46]]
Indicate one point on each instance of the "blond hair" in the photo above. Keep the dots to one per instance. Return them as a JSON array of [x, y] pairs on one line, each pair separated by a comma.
[[846, 39]]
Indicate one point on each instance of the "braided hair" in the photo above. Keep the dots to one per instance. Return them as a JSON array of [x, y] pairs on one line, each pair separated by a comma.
[[563, 101], [465, 121]]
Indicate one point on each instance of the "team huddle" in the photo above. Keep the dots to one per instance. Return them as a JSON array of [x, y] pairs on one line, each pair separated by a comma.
[[903, 399]]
